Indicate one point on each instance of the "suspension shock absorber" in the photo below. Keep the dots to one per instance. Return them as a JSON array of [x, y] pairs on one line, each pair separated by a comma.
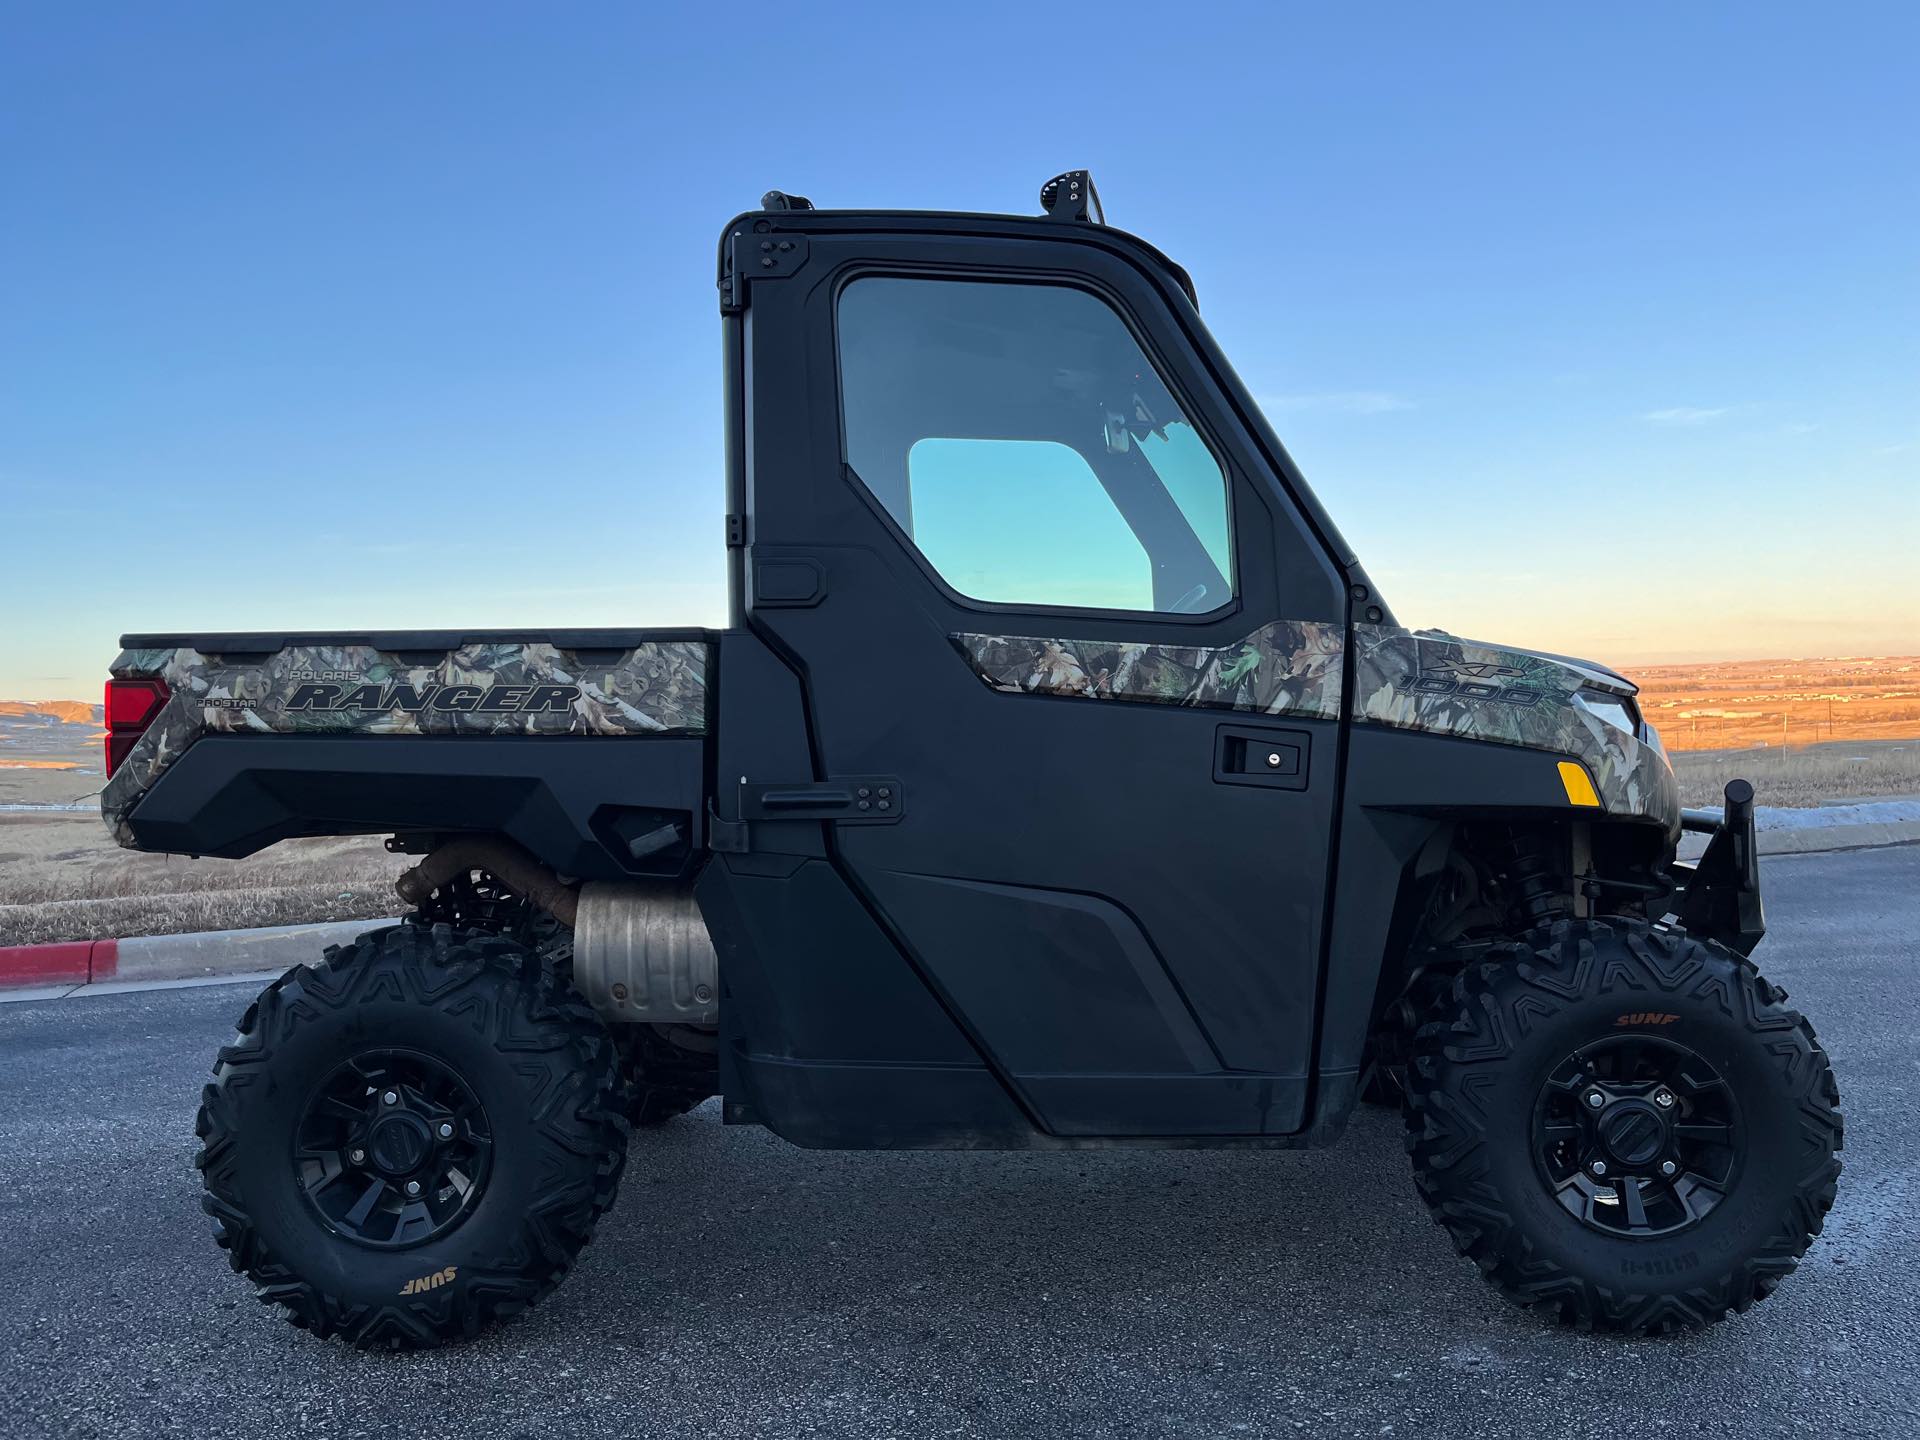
[[1535, 871]]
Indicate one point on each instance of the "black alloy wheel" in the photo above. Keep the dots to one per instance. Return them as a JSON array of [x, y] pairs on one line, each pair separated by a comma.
[[1637, 1135], [393, 1150]]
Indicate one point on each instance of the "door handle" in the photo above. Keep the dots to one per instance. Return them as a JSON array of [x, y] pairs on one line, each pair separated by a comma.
[[1255, 755]]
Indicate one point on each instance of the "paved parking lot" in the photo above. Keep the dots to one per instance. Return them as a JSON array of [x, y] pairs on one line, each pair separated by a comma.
[[744, 1287]]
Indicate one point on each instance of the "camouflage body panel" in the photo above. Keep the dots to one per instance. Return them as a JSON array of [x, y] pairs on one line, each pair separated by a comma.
[[1291, 667], [1412, 681], [1448, 686], [654, 688]]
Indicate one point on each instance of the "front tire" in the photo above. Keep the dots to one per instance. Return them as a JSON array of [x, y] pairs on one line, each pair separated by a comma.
[[413, 1139], [1624, 1127]]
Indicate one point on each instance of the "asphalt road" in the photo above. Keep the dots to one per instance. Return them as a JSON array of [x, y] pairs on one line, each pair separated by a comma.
[[744, 1287]]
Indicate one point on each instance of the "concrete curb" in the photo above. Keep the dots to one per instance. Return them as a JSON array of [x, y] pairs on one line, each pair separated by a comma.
[[73, 962], [1838, 837], [205, 954]]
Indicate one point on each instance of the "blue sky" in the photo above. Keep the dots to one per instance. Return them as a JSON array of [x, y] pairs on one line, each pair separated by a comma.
[[1597, 330]]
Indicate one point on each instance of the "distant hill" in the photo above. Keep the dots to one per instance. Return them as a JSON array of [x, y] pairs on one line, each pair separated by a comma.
[[49, 734], [63, 712]]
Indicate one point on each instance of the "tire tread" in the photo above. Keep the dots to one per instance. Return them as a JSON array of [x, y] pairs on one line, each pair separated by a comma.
[[523, 1000], [1520, 983]]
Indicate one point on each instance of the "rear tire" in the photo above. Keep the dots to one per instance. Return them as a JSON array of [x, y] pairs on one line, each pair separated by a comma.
[[358, 1219], [1601, 1015]]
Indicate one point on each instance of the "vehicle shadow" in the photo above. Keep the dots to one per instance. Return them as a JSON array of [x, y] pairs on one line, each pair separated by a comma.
[[706, 1210]]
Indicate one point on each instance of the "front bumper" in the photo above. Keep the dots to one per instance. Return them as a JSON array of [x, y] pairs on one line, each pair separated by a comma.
[[1718, 896]]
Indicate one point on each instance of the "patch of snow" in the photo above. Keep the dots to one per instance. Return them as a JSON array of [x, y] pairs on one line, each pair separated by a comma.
[[1874, 812]]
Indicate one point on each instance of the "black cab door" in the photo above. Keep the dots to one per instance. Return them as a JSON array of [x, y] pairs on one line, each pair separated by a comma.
[[1065, 634]]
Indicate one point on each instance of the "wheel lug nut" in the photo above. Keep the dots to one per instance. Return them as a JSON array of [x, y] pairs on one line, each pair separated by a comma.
[[1598, 1167], [392, 1097], [1595, 1099], [446, 1131], [1668, 1168], [358, 1157], [1663, 1098], [413, 1187]]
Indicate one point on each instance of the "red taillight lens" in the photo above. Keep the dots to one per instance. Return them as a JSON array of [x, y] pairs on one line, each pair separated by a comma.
[[130, 707]]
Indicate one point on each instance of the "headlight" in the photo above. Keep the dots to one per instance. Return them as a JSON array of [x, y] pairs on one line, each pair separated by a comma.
[[1615, 710]]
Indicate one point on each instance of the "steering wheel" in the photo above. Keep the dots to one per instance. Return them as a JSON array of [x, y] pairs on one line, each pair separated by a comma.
[[1189, 603]]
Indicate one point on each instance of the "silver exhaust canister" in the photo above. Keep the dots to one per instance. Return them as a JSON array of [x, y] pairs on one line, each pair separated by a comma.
[[642, 955]]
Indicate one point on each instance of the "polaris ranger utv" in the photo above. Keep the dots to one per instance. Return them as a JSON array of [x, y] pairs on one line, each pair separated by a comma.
[[1060, 780]]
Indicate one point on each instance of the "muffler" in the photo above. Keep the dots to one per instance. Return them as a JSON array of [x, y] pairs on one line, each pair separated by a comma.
[[641, 955]]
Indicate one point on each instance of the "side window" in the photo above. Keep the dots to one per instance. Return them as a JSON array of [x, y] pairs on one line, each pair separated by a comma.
[[1029, 449]]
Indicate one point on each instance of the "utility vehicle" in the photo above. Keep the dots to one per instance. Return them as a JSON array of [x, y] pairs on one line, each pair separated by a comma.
[[1060, 780]]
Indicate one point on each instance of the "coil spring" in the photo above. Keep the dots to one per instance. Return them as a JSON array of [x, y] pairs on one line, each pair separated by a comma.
[[1534, 872]]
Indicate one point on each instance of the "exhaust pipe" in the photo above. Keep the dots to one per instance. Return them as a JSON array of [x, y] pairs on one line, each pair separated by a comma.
[[500, 858], [641, 953]]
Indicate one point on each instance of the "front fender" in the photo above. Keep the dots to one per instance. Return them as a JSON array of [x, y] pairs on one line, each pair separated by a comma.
[[1441, 685]]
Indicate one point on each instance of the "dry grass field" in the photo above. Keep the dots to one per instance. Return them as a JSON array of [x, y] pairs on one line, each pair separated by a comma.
[[1745, 704], [1806, 775], [1805, 732], [63, 878], [40, 784]]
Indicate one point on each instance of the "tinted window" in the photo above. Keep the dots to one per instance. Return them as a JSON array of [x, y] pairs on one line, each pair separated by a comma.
[[1029, 448], [1023, 521]]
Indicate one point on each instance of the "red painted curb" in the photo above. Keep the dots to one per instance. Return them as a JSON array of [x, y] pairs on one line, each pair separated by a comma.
[[74, 962]]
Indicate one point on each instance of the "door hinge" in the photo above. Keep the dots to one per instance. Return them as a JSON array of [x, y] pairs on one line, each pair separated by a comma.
[[859, 799], [757, 255], [736, 531], [728, 836]]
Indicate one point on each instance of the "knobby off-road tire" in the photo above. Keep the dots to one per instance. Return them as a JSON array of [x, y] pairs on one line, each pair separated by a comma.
[[547, 1096], [1518, 1022], [1383, 1080]]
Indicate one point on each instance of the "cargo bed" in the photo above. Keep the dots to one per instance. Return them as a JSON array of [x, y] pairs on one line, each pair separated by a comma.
[[226, 742]]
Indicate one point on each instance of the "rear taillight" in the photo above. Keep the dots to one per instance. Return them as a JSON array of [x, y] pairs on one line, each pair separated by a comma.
[[130, 708]]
